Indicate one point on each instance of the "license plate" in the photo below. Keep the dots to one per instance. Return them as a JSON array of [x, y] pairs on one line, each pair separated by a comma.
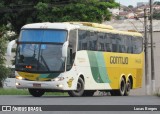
[[36, 85]]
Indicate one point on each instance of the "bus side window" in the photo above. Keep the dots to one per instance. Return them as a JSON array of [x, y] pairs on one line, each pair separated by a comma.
[[124, 43], [119, 43], [69, 59], [72, 39], [137, 45], [114, 44], [71, 48], [82, 40], [108, 41], [101, 41], [92, 41], [129, 44], [87, 40]]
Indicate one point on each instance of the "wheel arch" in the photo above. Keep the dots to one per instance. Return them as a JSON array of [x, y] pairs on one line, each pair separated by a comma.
[[122, 76], [81, 76]]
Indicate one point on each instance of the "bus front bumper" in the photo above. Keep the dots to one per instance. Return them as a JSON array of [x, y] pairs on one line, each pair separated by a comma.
[[56, 85]]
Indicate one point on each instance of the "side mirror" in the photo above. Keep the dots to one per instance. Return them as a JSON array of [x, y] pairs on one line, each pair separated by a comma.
[[64, 49], [9, 47]]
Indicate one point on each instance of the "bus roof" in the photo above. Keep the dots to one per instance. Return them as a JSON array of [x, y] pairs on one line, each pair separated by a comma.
[[81, 25], [103, 28], [48, 25]]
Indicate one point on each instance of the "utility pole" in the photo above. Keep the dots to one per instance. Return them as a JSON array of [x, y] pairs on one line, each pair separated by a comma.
[[147, 88], [152, 51]]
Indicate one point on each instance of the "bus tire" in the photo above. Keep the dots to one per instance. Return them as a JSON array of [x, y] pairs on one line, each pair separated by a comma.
[[128, 87], [36, 92], [88, 93], [122, 88], [80, 89]]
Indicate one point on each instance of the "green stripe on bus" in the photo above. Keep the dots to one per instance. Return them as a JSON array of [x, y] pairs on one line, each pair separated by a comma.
[[102, 67], [98, 67], [93, 66], [52, 75]]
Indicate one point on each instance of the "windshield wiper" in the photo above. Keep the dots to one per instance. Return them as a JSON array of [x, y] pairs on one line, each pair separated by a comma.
[[44, 62]]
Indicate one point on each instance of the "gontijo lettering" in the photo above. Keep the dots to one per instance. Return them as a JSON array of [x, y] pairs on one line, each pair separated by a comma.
[[118, 60]]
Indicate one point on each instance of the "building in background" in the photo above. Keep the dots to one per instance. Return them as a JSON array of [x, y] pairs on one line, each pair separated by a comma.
[[141, 4]]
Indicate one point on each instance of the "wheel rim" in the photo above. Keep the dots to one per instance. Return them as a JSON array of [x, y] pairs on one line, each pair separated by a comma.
[[78, 87], [128, 86], [122, 86]]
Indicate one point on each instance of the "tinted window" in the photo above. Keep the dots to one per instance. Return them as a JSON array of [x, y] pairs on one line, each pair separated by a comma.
[[137, 44], [129, 44], [99, 41], [87, 40], [72, 40], [71, 49], [114, 43], [108, 42]]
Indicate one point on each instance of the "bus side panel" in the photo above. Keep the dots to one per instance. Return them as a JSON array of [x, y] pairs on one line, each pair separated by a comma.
[[103, 70], [119, 65], [92, 66]]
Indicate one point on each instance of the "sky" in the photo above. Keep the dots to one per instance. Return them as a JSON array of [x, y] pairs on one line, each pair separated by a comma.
[[132, 2]]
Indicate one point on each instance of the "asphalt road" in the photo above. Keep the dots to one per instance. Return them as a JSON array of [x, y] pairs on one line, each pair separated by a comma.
[[66, 100]]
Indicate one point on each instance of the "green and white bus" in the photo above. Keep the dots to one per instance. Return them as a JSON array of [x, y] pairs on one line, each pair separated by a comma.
[[78, 58]]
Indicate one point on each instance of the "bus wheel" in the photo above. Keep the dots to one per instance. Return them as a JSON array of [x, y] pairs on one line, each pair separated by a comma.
[[128, 88], [88, 93], [36, 92], [80, 89], [121, 90]]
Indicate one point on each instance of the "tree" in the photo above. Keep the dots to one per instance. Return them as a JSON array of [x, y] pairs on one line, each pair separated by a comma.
[[130, 6], [3, 70], [156, 15], [21, 12], [157, 3], [91, 10]]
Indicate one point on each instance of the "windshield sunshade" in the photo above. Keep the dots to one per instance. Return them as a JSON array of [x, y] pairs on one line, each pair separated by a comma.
[[38, 35]]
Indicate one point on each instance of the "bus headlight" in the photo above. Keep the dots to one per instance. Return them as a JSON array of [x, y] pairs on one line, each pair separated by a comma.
[[17, 84], [58, 79], [19, 77], [60, 85]]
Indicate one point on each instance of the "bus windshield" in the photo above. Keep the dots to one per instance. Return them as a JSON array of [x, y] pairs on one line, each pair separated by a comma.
[[40, 51]]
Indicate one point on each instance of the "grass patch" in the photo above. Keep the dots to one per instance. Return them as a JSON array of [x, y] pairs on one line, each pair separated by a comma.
[[13, 91], [25, 92], [158, 92]]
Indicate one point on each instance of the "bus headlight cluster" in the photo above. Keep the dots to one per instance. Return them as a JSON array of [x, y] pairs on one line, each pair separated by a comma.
[[60, 85], [17, 84], [19, 77], [58, 79]]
